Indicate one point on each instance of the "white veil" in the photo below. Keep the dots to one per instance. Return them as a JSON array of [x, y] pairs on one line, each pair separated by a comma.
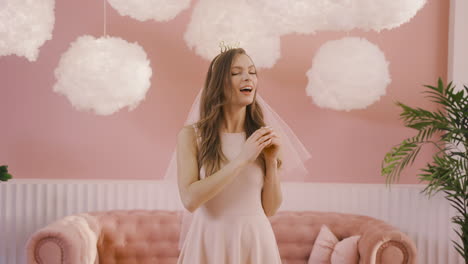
[[294, 154]]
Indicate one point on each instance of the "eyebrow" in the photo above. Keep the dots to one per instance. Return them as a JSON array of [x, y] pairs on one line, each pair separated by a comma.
[[241, 67]]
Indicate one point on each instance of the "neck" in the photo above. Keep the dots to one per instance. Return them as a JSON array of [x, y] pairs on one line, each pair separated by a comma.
[[234, 119]]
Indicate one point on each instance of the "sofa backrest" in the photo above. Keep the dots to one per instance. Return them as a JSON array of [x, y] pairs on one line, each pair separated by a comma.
[[296, 232], [138, 236], [151, 236]]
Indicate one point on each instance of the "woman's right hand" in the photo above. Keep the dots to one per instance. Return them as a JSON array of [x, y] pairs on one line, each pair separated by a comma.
[[254, 145]]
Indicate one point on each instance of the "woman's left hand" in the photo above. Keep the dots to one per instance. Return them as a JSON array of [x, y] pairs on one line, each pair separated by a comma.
[[272, 150]]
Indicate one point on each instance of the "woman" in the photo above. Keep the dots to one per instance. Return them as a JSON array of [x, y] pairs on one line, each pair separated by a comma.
[[227, 170]]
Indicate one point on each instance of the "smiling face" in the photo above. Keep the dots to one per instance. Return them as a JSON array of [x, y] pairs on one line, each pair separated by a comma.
[[243, 76]]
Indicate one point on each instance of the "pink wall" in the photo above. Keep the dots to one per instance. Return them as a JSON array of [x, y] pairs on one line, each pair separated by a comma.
[[42, 136]]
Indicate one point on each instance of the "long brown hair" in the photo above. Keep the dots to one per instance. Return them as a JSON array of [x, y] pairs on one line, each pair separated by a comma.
[[213, 98]]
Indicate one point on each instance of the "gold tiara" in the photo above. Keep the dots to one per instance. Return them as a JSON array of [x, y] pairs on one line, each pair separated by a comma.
[[225, 47]]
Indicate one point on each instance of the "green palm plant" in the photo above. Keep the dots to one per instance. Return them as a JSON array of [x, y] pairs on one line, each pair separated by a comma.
[[4, 175], [448, 171]]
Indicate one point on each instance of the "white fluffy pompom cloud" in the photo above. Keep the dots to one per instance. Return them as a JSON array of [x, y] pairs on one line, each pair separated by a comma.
[[103, 74], [383, 14], [258, 24], [214, 21], [25, 26], [142, 10], [305, 16], [350, 73]]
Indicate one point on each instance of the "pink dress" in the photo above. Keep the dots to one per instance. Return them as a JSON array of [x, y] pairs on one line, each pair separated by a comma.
[[232, 228]]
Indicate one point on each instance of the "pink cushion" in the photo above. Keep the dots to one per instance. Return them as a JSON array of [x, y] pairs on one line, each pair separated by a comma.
[[346, 251], [323, 247]]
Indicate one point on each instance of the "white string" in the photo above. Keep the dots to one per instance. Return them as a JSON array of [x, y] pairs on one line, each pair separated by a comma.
[[105, 34]]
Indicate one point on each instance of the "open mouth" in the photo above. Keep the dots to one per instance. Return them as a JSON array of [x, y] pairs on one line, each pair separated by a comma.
[[246, 90]]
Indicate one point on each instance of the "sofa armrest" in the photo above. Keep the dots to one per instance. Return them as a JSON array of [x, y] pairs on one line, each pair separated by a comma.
[[382, 243], [72, 239]]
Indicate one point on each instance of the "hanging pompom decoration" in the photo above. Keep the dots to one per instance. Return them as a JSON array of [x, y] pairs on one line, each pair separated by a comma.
[[25, 26], [383, 14], [350, 73], [142, 10], [232, 22], [305, 16], [103, 75]]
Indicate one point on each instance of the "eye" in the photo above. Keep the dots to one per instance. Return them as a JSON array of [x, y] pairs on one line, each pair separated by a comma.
[[249, 73]]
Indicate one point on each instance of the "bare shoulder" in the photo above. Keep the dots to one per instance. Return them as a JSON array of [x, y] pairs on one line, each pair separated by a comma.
[[187, 136], [187, 131]]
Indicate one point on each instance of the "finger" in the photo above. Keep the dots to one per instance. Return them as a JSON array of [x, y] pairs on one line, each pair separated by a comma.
[[266, 142], [275, 135], [275, 141], [255, 135], [258, 132], [268, 130], [261, 132], [271, 135], [265, 137], [271, 132]]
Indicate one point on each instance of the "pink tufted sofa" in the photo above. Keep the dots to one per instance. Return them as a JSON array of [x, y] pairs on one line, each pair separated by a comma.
[[151, 236]]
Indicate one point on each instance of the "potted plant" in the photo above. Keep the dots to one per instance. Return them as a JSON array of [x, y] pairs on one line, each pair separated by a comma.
[[4, 175], [448, 171]]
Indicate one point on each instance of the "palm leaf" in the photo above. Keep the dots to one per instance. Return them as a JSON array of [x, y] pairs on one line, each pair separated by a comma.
[[448, 170]]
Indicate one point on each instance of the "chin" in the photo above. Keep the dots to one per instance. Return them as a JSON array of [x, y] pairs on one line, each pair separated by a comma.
[[249, 101], [246, 100]]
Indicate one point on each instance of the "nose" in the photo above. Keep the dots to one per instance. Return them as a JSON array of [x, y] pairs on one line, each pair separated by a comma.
[[246, 76]]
